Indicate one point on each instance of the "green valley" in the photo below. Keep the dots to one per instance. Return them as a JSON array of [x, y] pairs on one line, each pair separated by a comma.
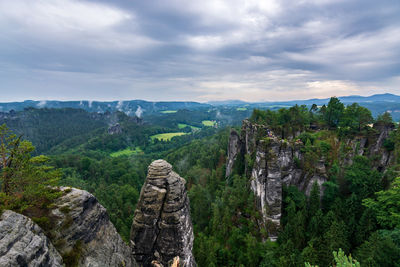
[[108, 155]]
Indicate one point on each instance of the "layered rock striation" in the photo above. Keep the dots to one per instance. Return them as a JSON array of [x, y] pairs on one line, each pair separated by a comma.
[[83, 228], [272, 162], [162, 228], [23, 243]]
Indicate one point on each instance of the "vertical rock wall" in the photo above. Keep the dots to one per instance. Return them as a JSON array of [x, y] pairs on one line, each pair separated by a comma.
[[273, 162], [234, 148], [274, 166]]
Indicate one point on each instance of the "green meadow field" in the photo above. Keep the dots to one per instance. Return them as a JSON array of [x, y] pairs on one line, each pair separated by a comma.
[[208, 123], [166, 136], [183, 125], [126, 152]]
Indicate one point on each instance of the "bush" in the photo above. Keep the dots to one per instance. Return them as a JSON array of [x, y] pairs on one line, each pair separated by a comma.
[[325, 147], [388, 144], [304, 137]]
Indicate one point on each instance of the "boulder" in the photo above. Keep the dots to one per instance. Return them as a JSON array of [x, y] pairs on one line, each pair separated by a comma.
[[84, 231]]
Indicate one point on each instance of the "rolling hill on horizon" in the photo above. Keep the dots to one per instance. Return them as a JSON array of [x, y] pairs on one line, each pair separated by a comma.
[[377, 103], [386, 97]]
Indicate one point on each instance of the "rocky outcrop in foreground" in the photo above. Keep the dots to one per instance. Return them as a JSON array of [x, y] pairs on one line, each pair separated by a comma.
[[83, 229], [23, 243], [83, 235], [162, 228]]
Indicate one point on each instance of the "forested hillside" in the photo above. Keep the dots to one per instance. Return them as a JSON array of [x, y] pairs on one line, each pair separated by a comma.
[[48, 127], [357, 211], [345, 198]]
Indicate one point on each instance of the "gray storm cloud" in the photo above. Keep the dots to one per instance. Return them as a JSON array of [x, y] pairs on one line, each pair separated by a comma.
[[208, 50]]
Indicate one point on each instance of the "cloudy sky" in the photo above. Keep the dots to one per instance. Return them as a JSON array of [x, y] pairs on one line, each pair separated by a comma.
[[259, 50]]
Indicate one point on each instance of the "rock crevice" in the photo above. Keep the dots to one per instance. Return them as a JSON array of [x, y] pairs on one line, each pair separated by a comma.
[[162, 228]]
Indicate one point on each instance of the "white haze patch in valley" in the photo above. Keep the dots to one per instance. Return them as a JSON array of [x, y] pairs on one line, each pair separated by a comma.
[[223, 117], [42, 103], [119, 105], [139, 111]]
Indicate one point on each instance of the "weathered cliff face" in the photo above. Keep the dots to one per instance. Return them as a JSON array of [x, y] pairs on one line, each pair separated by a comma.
[[162, 227], [23, 243], [272, 162], [274, 166], [372, 147], [386, 157], [115, 129], [82, 226], [234, 148]]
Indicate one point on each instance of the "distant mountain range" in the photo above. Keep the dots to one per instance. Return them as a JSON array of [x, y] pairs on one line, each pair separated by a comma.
[[377, 103], [319, 101], [228, 103]]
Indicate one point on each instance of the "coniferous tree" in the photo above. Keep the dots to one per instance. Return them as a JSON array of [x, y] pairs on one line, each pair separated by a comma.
[[27, 184], [333, 112]]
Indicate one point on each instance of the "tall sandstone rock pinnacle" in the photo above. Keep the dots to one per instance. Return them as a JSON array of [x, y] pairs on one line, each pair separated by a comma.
[[162, 229]]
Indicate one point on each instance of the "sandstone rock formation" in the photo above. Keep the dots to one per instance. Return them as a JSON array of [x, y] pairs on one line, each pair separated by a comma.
[[273, 162], [23, 243], [115, 129], [387, 157], [162, 227], [234, 149], [162, 233], [82, 226]]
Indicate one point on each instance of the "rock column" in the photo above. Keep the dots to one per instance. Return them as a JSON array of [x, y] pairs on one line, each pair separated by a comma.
[[162, 228]]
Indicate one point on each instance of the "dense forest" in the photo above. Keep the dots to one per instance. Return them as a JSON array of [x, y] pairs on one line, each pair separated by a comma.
[[358, 212]]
